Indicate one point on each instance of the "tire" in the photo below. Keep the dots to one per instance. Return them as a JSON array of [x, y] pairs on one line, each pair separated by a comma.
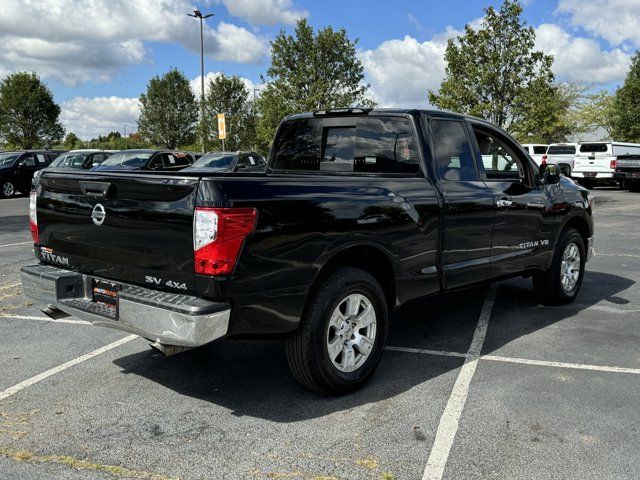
[[7, 189], [588, 184], [308, 348], [634, 186], [549, 285]]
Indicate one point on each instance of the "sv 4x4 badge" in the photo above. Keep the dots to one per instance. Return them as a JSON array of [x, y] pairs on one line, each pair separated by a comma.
[[168, 283]]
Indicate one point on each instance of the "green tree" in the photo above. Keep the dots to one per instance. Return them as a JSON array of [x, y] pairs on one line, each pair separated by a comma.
[[229, 95], [548, 112], [597, 112], [28, 114], [626, 106], [310, 71], [495, 73], [168, 111], [71, 141]]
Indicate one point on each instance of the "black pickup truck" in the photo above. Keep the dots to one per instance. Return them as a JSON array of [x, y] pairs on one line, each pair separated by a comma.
[[358, 212]]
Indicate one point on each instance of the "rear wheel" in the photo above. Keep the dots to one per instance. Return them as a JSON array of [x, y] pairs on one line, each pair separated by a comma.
[[8, 189], [561, 283], [342, 334], [634, 185]]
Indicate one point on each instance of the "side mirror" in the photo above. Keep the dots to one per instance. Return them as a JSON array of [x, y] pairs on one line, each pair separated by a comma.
[[549, 174], [241, 167]]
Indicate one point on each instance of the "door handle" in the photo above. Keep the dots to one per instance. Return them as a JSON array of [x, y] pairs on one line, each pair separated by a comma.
[[503, 203]]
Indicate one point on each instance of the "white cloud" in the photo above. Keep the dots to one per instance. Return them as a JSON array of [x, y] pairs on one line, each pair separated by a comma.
[[265, 12], [617, 21], [401, 72], [195, 83], [90, 117], [80, 40], [579, 58]]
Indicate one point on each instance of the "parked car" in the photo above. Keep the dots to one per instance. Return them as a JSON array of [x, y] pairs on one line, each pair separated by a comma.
[[230, 162], [536, 151], [627, 171], [80, 159], [359, 212], [595, 162], [146, 160], [562, 155], [17, 169]]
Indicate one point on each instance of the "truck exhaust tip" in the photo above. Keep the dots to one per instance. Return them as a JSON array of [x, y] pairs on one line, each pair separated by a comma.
[[168, 350]]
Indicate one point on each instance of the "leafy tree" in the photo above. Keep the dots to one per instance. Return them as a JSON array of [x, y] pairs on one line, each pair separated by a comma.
[[71, 141], [626, 106], [494, 72], [310, 71], [548, 112], [28, 113], [229, 95], [168, 111], [597, 112]]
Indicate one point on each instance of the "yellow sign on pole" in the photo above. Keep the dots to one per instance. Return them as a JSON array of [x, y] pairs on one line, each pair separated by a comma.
[[222, 129]]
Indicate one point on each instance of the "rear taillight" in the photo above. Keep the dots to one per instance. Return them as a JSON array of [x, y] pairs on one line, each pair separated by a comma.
[[613, 164], [218, 235], [544, 159], [33, 217]]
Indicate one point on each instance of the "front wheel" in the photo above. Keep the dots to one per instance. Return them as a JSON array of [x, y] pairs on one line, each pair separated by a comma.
[[342, 334], [8, 189], [561, 283]]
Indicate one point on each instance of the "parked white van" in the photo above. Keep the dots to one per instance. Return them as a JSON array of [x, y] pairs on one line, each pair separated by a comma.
[[595, 162], [562, 155], [536, 151]]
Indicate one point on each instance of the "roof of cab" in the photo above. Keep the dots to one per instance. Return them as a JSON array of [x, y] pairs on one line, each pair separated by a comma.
[[361, 111]]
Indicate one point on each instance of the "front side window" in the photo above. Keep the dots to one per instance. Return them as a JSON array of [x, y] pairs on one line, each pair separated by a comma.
[[499, 160], [453, 152], [539, 150], [369, 145], [8, 159]]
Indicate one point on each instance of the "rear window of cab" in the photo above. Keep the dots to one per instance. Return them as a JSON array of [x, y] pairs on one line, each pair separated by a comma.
[[366, 145]]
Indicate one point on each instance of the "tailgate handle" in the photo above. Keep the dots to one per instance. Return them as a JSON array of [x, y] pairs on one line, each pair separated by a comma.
[[95, 189]]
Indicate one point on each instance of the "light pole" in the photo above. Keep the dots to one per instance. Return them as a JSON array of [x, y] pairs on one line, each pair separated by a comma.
[[255, 147], [198, 14]]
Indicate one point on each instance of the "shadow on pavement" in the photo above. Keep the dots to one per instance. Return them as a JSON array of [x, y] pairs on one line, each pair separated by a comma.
[[252, 378]]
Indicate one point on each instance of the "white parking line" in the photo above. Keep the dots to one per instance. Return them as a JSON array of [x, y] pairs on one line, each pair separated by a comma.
[[30, 381], [443, 353], [450, 419], [15, 244], [45, 319], [577, 366]]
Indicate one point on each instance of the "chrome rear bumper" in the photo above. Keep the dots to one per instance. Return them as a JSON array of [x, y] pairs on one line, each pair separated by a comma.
[[165, 318]]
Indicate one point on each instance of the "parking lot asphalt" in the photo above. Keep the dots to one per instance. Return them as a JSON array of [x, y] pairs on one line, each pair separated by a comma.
[[485, 383]]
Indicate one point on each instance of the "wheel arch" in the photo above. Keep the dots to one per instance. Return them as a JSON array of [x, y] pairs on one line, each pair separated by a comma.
[[366, 255]]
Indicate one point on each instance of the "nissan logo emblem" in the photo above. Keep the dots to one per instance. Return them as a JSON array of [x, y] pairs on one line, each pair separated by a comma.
[[98, 214]]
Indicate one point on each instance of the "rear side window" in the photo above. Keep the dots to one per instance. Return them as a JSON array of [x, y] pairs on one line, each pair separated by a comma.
[[372, 145], [594, 148], [561, 150], [539, 150], [455, 161]]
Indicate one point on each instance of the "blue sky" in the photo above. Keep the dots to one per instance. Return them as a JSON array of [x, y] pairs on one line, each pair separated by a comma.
[[98, 72]]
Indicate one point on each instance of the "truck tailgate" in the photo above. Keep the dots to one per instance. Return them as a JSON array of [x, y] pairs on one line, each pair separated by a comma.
[[133, 228]]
